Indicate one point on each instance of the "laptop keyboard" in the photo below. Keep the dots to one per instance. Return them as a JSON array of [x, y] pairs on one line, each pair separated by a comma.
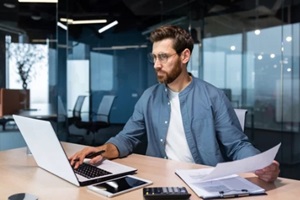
[[90, 171]]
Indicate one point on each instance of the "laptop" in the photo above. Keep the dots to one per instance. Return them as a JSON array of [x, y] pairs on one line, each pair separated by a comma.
[[49, 154]]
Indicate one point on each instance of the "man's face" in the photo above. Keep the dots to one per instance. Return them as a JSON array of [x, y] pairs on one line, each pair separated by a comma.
[[167, 62]]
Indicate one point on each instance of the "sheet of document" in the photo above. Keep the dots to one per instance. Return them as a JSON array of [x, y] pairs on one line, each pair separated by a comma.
[[208, 182], [228, 185], [234, 185], [250, 164]]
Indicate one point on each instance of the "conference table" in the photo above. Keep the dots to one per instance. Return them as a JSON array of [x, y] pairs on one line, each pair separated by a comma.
[[19, 173], [40, 111]]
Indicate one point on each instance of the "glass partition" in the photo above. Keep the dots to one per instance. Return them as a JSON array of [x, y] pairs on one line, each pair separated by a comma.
[[259, 66], [250, 49], [29, 52], [266, 64]]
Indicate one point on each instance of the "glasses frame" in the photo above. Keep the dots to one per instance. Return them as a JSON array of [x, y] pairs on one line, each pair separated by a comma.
[[161, 57]]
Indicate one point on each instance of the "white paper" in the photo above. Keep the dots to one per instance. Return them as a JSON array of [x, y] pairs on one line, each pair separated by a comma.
[[249, 164], [233, 185], [208, 182]]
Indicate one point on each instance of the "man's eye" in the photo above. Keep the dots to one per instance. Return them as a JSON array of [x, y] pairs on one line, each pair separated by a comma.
[[163, 56]]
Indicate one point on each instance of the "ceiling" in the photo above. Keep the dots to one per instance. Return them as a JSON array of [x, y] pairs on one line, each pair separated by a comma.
[[221, 16]]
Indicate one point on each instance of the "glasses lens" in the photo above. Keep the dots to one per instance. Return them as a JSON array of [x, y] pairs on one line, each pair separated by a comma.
[[163, 57]]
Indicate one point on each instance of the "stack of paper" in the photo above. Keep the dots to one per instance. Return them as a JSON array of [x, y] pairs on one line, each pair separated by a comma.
[[223, 181]]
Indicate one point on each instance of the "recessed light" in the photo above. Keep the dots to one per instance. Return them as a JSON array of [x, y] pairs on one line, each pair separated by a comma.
[[9, 5], [288, 39], [36, 17], [257, 32]]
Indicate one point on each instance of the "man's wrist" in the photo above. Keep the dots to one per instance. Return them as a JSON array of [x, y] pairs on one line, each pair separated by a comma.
[[111, 151]]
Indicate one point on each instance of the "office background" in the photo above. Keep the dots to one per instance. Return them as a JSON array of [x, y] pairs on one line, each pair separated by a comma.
[[250, 49]]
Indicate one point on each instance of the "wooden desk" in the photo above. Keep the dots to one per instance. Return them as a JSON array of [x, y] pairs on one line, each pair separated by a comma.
[[19, 173]]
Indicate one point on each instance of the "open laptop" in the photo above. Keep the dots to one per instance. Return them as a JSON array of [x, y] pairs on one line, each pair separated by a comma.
[[49, 154]]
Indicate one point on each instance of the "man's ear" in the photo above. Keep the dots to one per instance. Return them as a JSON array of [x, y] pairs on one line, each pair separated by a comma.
[[185, 55]]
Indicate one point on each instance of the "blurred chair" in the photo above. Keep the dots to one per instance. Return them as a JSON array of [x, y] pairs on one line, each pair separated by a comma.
[[241, 114], [99, 120], [62, 118], [76, 112]]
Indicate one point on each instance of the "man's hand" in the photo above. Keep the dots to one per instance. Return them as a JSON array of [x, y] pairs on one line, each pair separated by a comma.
[[78, 158], [269, 173], [111, 151]]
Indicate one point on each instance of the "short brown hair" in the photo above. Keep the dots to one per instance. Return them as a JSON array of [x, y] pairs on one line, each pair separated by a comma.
[[182, 39]]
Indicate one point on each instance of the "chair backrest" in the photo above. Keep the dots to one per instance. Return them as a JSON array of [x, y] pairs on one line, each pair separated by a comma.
[[78, 106], [241, 114], [62, 112], [104, 108]]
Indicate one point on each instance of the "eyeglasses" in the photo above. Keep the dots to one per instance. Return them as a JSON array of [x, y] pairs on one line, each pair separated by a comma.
[[162, 57]]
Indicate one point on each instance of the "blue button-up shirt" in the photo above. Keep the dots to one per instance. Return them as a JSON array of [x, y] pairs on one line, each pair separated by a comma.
[[211, 126]]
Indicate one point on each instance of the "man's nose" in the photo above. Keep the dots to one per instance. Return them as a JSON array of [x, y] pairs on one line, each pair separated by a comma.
[[157, 64]]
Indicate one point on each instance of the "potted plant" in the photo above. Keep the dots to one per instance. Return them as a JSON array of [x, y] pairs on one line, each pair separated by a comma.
[[25, 57]]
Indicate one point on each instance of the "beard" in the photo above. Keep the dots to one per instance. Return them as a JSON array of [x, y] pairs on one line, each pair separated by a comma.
[[167, 78]]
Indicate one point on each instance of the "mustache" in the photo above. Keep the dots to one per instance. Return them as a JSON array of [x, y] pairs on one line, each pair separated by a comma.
[[159, 70]]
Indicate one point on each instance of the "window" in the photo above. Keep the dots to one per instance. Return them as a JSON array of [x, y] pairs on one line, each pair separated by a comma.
[[31, 61]]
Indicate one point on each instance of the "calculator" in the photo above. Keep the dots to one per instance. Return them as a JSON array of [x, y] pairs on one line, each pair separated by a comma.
[[161, 193]]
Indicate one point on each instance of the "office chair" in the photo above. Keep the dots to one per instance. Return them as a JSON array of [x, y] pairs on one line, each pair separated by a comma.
[[241, 114], [100, 119], [77, 110], [62, 118]]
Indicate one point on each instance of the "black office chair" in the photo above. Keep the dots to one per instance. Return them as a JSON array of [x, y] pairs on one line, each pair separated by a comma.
[[101, 119], [63, 121], [76, 110]]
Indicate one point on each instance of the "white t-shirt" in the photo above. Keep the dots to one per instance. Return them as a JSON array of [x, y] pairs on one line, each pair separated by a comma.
[[176, 143]]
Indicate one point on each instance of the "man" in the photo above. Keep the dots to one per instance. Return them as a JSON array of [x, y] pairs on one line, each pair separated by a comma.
[[185, 118]]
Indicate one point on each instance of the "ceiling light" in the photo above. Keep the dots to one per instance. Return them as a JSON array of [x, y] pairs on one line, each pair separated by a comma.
[[92, 21], [259, 57], [96, 21], [288, 39], [38, 1], [66, 20], [9, 5], [36, 17], [108, 26], [61, 25]]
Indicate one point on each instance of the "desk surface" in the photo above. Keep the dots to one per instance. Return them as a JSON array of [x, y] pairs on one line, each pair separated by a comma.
[[19, 173], [40, 111]]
